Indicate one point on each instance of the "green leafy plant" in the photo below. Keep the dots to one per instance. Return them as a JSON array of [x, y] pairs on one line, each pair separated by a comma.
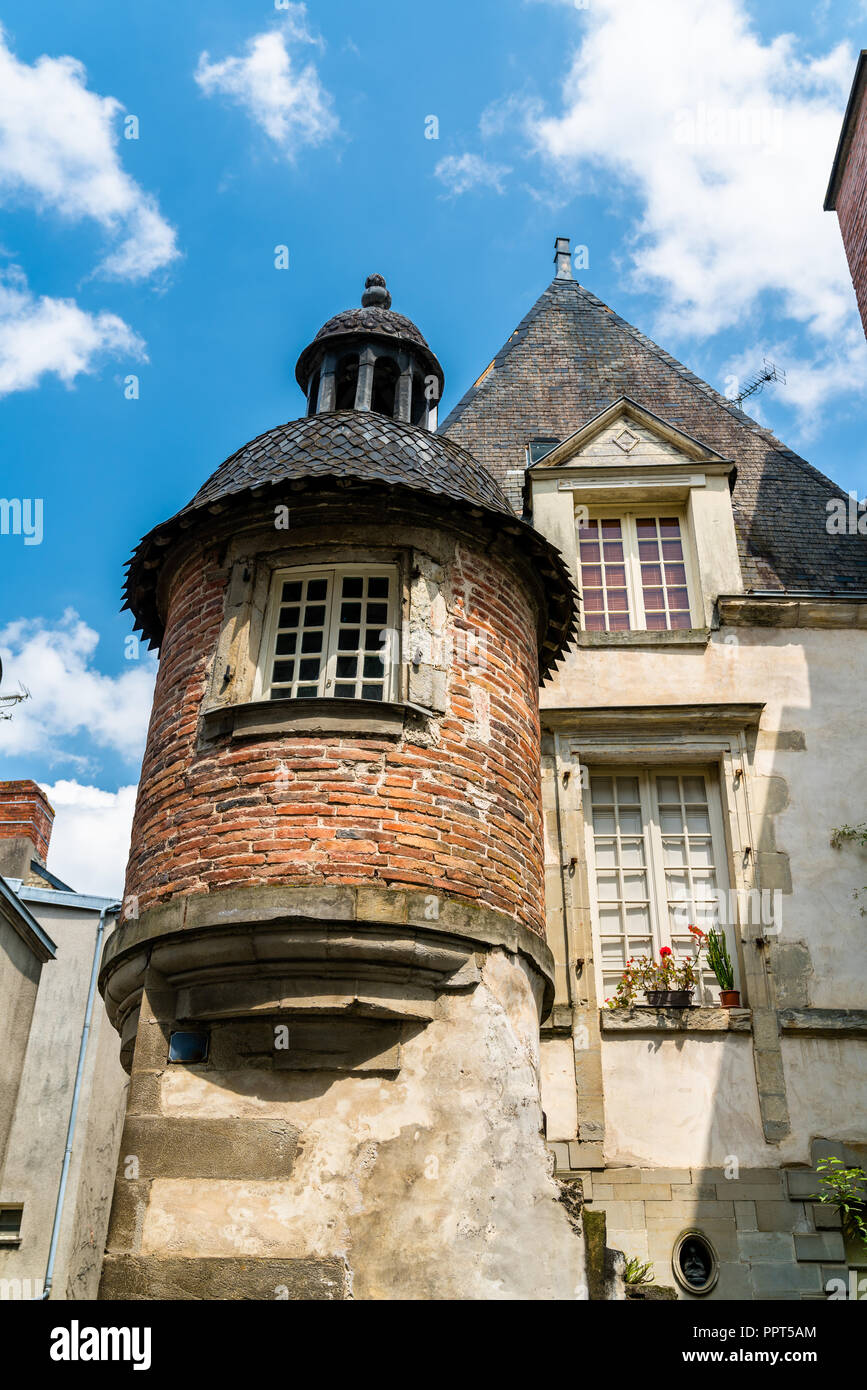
[[643, 972], [846, 1189], [851, 834], [637, 1273]]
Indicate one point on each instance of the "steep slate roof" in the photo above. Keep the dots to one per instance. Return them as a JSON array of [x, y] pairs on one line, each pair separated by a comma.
[[572, 356], [363, 447]]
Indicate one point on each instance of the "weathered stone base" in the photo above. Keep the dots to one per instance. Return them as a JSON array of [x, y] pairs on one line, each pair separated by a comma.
[[366, 1122], [140, 1278]]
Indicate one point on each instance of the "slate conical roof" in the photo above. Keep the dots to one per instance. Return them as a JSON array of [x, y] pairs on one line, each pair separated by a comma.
[[571, 356], [363, 447]]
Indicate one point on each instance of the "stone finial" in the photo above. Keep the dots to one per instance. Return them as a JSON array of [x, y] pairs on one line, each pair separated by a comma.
[[563, 258], [375, 293]]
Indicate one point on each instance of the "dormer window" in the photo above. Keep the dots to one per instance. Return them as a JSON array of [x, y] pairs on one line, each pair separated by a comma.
[[634, 572], [643, 511], [331, 632]]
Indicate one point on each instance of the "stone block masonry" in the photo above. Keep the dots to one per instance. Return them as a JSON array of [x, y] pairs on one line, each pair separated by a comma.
[[769, 1239]]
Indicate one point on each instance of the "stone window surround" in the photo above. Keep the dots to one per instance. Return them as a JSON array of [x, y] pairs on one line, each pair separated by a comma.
[[643, 736], [698, 490], [230, 703], [724, 734]]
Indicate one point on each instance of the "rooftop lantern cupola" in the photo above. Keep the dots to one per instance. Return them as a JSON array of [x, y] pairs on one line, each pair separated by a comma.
[[372, 359]]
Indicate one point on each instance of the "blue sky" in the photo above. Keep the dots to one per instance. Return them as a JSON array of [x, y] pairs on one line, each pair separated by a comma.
[[688, 152]]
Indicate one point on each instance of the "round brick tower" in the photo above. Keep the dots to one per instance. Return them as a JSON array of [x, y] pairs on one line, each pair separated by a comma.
[[331, 967]]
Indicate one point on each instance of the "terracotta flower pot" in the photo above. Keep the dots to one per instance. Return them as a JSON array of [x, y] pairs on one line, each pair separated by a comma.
[[730, 998]]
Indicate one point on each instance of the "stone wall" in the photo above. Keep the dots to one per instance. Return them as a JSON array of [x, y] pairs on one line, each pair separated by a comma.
[[772, 1238], [374, 1158]]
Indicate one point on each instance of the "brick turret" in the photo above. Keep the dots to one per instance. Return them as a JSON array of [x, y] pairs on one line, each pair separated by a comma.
[[331, 967]]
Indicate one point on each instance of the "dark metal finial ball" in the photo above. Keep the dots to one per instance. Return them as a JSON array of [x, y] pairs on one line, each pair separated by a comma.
[[375, 293]]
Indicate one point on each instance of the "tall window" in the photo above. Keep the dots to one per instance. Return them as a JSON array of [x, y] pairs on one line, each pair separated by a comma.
[[633, 573], [332, 632], [656, 852]]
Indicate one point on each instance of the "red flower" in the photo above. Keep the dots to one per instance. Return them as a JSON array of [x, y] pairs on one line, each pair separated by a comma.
[[665, 950], [696, 931]]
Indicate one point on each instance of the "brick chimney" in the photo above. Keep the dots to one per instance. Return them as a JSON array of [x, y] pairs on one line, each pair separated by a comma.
[[26, 818]]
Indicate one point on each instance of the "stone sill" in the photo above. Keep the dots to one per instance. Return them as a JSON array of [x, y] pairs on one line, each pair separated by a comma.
[[643, 1019], [683, 637], [824, 1023], [264, 718], [793, 610]]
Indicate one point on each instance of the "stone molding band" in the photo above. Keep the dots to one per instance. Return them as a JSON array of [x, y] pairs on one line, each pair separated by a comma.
[[242, 952]]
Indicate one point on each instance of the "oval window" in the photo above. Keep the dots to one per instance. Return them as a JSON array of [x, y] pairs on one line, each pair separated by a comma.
[[694, 1262]]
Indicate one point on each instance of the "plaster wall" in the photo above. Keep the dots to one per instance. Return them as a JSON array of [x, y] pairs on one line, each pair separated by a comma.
[[691, 1100], [34, 1157], [430, 1180], [19, 981], [808, 772]]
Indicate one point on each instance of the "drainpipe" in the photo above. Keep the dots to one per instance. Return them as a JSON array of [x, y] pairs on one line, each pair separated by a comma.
[[112, 908]]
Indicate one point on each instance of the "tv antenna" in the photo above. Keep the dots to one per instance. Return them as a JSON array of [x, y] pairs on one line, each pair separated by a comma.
[[8, 702], [769, 371]]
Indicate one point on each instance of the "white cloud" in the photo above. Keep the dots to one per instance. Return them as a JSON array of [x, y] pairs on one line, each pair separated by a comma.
[[728, 143], [833, 369], [59, 151], [90, 839], [462, 172], [287, 100], [40, 335], [70, 698]]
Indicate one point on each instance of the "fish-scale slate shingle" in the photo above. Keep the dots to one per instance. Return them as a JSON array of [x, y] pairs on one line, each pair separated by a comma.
[[354, 444], [366, 448], [365, 321], [571, 356]]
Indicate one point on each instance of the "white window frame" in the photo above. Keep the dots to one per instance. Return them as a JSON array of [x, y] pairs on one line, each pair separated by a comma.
[[659, 926], [632, 562], [390, 650]]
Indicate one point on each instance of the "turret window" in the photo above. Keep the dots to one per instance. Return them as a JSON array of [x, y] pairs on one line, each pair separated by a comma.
[[331, 633]]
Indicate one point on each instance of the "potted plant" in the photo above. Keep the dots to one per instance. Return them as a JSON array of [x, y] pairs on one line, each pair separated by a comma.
[[666, 983], [719, 960]]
